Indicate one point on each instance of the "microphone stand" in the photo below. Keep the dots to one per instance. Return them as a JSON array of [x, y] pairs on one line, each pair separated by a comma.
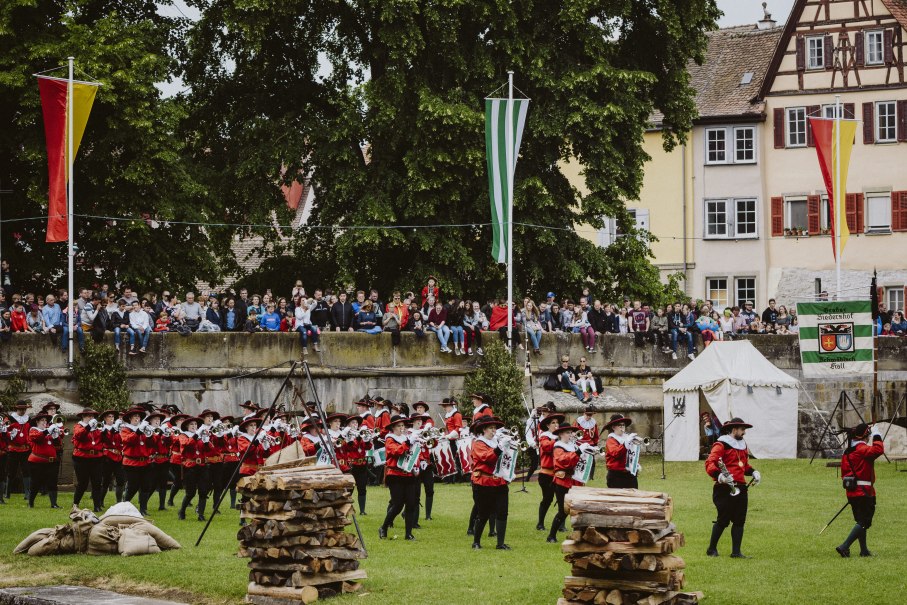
[[661, 437]]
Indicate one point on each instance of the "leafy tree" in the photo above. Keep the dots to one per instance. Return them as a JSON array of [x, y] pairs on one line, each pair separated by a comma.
[[132, 162], [380, 101], [499, 377], [102, 378], [16, 384]]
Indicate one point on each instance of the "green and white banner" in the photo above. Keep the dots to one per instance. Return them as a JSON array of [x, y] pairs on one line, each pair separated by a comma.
[[836, 338], [501, 160]]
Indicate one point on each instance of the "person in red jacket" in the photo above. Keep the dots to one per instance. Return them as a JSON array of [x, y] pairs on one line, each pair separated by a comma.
[[310, 440], [382, 417], [588, 428], [356, 455], [159, 457], [480, 409], [616, 452], [230, 451], [138, 446], [195, 447], [176, 463], [426, 477], [490, 494], [431, 289], [546, 441], [566, 457], [87, 458], [4, 451], [731, 450], [498, 323], [19, 448], [402, 484], [112, 467], [42, 439], [257, 448], [453, 423], [335, 422], [857, 469], [211, 420]]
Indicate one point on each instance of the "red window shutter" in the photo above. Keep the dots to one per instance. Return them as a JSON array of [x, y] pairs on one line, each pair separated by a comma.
[[813, 203], [801, 53], [860, 226], [902, 120], [868, 124], [850, 210], [778, 125], [860, 49], [777, 216], [829, 53], [849, 110], [899, 210], [812, 111], [888, 46]]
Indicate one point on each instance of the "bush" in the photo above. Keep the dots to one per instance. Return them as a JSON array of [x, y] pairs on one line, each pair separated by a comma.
[[501, 378], [15, 386], [102, 378]]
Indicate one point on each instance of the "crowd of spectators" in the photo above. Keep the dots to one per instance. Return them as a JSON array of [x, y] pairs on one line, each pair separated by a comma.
[[458, 324]]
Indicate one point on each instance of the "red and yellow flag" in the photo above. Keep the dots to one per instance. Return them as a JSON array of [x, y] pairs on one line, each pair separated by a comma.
[[826, 136], [54, 103]]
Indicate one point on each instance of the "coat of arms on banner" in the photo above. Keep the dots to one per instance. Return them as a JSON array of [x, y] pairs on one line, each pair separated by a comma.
[[836, 337]]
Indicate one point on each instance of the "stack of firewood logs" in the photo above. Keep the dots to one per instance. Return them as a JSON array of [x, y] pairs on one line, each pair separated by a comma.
[[621, 549], [296, 514]]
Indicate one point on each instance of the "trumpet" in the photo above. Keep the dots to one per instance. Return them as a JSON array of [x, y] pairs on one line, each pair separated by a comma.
[[513, 432], [271, 440], [57, 421], [642, 441], [724, 471]]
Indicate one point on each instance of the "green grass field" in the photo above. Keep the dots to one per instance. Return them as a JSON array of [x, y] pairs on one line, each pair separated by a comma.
[[789, 564]]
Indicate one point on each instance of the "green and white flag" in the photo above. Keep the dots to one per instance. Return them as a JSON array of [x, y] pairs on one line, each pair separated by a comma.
[[502, 165], [836, 338]]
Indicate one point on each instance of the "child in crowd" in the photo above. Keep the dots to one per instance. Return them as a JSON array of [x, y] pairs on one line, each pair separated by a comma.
[[416, 324], [163, 322], [252, 324]]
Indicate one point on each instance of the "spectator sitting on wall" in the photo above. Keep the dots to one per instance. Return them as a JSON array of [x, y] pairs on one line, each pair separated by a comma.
[[252, 323], [770, 315], [898, 325], [365, 319], [321, 311], [35, 320], [190, 313], [270, 321], [6, 330], [163, 322], [430, 290]]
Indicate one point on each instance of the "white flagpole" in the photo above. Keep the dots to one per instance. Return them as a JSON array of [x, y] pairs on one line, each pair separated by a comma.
[[839, 201], [508, 136], [69, 162]]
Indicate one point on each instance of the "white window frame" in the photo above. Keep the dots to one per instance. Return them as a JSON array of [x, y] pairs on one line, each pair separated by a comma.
[[716, 300], [815, 52], [874, 38], [726, 151], [824, 213], [885, 199], [891, 126], [738, 300], [731, 209], [787, 213], [737, 150], [892, 293], [828, 111], [789, 132]]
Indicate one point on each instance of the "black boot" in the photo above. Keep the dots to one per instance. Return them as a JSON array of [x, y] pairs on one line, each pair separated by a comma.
[[736, 541], [492, 528], [201, 508], [501, 529], [182, 514], [173, 491], [232, 499], [26, 490], [161, 498], [53, 499], [428, 502], [855, 533], [2, 491], [543, 510], [555, 523], [717, 530]]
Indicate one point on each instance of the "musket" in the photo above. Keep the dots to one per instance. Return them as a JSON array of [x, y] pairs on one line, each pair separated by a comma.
[[835, 517]]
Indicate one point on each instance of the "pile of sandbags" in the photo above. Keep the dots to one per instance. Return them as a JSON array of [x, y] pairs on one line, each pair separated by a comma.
[[621, 549], [296, 514], [120, 531]]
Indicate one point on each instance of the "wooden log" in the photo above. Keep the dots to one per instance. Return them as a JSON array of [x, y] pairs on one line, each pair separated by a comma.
[[348, 587], [304, 594], [584, 493], [316, 482], [617, 521], [614, 598], [666, 545], [667, 579], [592, 535], [581, 583], [263, 600]]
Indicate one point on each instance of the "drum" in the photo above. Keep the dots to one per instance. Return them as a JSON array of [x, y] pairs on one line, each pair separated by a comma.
[[464, 453], [445, 463]]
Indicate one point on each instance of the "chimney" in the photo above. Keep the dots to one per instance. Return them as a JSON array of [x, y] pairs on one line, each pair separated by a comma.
[[766, 22]]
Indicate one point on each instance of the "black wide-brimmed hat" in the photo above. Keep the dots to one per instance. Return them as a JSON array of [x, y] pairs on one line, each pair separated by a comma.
[[735, 423], [420, 404], [858, 432], [566, 427], [484, 422], [397, 419], [618, 419], [546, 421]]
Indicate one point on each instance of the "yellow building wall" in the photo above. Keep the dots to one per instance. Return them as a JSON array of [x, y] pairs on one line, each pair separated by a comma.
[[667, 181]]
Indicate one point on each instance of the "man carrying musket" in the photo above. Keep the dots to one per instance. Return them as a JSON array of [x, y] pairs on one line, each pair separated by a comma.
[[728, 465], [858, 475]]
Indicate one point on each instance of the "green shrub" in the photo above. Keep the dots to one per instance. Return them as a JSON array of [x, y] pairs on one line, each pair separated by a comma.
[[15, 386], [501, 377], [102, 378]]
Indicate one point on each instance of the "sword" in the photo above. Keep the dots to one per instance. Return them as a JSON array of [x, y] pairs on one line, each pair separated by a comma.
[[835, 517]]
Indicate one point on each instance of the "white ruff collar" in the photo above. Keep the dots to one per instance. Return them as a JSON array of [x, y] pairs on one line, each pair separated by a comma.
[[586, 422], [621, 439], [365, 414], [398, 438], [570, 447], [549, 435], [479, 409], [737, 444], [20, 419], [451, 412], [492, 443]]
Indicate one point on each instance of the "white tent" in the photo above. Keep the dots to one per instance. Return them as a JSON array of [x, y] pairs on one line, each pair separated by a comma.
[[732, 379]]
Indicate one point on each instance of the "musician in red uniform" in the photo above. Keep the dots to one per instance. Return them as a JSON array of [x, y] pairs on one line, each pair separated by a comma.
[[731, 450], [382, 417], [195, 447], [335, 422], [546, 441], [309, 439], [211, 421], [426, 477], [532, 433], [112, 467], [480, 406], [402, 484], [356, 455], [52, 409], [4, 452], [42, 439], [616, 452], [490, 494], [176, 466], [87, 458], [230, 452], [566, 453], [257, 448], [453, 422], [588, 428], [19, 448], [364, 411], [858, 472], [137, 449], [251, 410], [159, 457], [420, 407]]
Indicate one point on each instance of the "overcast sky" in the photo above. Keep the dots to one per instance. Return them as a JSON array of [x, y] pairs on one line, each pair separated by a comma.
[[741, 12]]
